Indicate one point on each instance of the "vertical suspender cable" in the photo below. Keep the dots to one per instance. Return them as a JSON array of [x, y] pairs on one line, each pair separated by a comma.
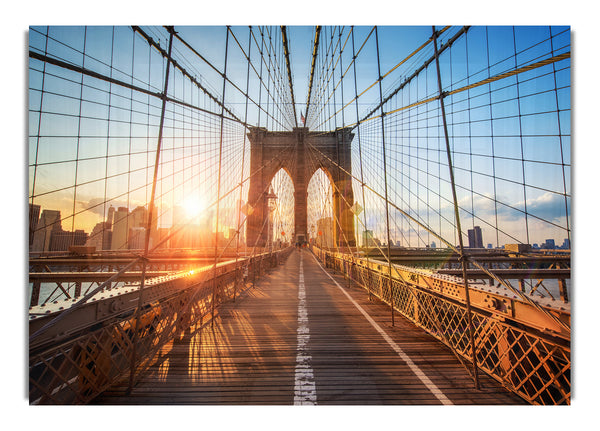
[[262, 44], [150, 213], [219, 184], [239, 203], [350, 204], [493, 151], [360, 158], [312, 69], [39, 124], [560, 137], [269, 95], [289, 69], [106, 159], [521, 138], [72, 239], [129, 139], [456, 214], [337, 196], [385, 182]]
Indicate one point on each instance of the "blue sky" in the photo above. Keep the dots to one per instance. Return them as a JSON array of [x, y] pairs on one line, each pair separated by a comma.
[[511, 132]]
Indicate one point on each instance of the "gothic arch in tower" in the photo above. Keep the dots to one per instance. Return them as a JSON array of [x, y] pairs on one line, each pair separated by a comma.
[[300, 153]]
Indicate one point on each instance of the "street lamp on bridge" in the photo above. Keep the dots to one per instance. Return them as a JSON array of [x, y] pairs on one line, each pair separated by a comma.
[[271, 205]]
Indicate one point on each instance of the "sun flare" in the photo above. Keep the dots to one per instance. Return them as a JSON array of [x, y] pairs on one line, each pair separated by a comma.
[[194, 205]]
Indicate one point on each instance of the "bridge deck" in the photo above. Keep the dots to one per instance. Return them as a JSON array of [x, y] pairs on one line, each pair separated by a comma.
[[262, 350]]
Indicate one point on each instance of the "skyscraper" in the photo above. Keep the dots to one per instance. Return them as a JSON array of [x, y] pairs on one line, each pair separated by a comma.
[[34, 215], [136, 238], [475, 237], [101, 236], [367, 238], [138, 217], [111, 215], [62, 240], [120, 229], [48, 223]]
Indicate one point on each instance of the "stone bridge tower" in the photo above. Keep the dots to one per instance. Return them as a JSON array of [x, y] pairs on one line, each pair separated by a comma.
[[295, 153]]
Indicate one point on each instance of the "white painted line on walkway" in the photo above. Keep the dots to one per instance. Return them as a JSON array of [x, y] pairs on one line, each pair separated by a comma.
[[305, 391], [415, 369]]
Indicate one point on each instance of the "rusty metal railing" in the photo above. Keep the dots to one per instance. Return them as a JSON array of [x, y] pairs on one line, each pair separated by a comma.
[[75, 360], [526, 347]]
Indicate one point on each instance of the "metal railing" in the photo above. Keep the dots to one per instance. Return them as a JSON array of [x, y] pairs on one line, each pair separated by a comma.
[[526, 347], [74, 361]]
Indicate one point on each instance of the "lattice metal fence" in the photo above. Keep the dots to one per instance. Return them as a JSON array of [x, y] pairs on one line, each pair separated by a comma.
[[76, 370], [533, 363]]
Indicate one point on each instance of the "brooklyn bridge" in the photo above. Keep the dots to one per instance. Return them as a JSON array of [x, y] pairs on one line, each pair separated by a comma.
[[286, 215]]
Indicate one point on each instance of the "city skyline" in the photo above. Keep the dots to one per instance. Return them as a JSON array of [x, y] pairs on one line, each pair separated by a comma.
[[101, 235], [123, 229]]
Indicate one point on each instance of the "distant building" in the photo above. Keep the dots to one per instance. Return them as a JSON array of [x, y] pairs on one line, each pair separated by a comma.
[[183, 235], [433, 244], [191, 236], [101, 236], [517, 248], [219, 237], [48, 223], [490, 246], [129, 228], [111, 215], [34, 216], [137, 237], [120, 229], [61, 240], [138, 217], [566, 245], [161, 236], [549, 244], [367, 238], [240, 207], [475, 237]]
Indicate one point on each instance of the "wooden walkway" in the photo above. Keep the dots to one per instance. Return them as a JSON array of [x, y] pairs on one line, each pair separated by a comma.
[[300, 338]]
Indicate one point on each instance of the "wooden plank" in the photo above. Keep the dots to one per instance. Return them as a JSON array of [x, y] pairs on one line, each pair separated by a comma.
[[249, 355]]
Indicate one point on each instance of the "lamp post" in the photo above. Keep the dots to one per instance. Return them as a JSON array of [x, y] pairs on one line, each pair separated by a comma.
[[271, 205]]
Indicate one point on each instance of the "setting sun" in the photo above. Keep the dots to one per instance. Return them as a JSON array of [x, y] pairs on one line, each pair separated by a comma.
[[194, 205]]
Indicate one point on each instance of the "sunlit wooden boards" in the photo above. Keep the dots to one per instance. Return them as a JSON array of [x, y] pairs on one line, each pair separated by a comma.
[[250, 354]]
